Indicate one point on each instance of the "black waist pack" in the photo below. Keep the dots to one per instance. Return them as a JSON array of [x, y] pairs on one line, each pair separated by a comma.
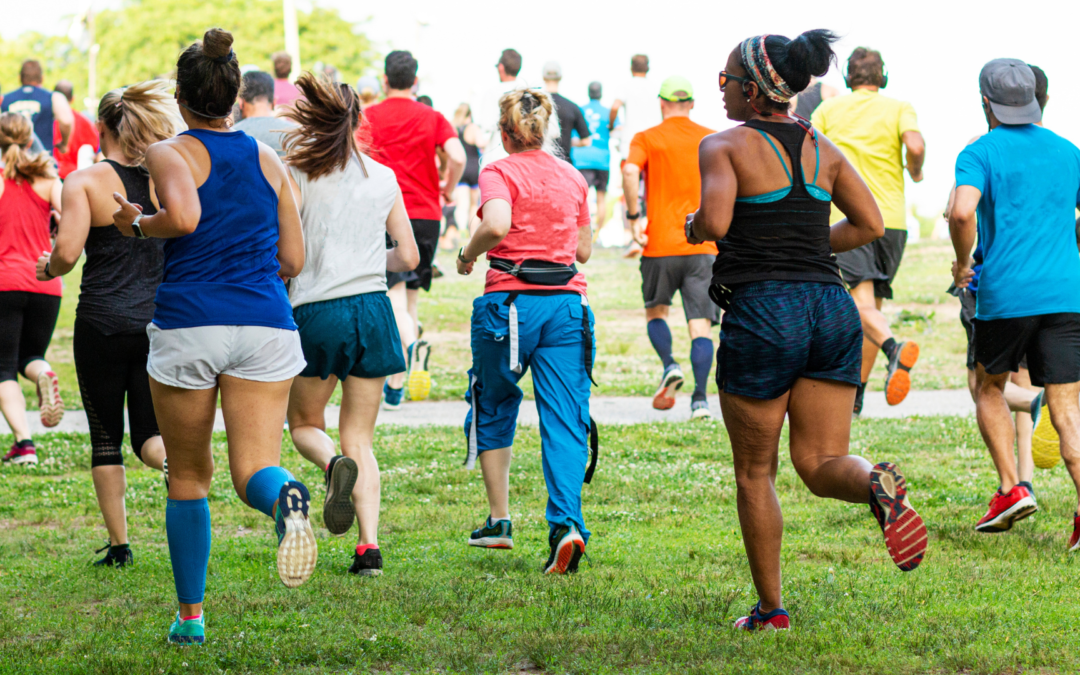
[[539, 272], [721, 295]]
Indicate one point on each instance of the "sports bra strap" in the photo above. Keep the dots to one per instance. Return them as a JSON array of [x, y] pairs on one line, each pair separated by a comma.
[[777, 151], [817, 163]]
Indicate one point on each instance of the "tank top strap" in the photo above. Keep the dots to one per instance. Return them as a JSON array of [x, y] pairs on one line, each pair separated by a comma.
[[791, 137], [768, 138]]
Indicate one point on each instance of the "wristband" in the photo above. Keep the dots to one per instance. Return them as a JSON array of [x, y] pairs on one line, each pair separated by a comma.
[[633, 217], [47, 272], [461, 256]]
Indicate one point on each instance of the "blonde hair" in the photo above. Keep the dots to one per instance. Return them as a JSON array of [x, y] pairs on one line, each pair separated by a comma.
[[139, 116], [527, 116], [463, 113], [15, 136]]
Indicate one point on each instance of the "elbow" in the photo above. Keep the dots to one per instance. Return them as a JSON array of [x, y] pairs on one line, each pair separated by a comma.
[[630, 174], [410, 259], [583, 255], [500, 230], [291, 265]]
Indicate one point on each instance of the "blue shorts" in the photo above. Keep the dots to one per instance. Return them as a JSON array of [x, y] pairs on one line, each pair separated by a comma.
[[778, 331], [355, 335]]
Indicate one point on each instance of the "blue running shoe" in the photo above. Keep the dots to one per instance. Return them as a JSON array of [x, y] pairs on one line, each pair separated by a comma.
[[777, 619], [297, 549], [498, 534], [190, 631], [392, 397], [671, 381]]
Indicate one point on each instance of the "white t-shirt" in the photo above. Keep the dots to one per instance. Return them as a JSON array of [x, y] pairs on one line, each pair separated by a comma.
[[640, 109], [344, 219], [486, 115]]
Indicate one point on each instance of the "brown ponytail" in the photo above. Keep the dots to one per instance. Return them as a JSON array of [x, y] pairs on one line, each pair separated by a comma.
[[328, 116], [139, 116], [15, 136], [524, 114], [208, 76]]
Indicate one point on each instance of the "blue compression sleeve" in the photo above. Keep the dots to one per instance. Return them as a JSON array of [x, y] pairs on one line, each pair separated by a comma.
[[264, 486], [660, 337], [187, 525]]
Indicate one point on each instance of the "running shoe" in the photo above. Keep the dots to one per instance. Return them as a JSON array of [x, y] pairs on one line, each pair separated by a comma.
[[1007, 508], [189, 631], [498, 534], [777, 619], [1074, 540], [670, 382], [367, 565], [904, 529], [48, 391], [117, 556], [567, 547], [297, 550], [338, 512], [392, 397], [898, 379], [699, 410], [419, 381], [22, 452], [860, 393], [1030, 488]]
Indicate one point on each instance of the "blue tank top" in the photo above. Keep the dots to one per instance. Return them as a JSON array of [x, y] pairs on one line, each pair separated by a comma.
[[225, 273], [35, 104]]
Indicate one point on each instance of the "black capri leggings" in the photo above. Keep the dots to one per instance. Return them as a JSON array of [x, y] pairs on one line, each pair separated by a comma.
[[27, 321], [110, 367]]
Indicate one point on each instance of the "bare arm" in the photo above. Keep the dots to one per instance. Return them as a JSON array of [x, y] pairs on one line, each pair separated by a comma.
[[180, 209], [73, 231], [584, 245], [631, 177], [290, 243], [614, 114], [864, 223], [405, 256], [455, 166], [962, 230], [65, 119], [494, 227], [719, 187], [916, 154]]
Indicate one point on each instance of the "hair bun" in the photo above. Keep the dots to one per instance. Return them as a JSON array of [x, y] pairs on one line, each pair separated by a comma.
[[216, 43]]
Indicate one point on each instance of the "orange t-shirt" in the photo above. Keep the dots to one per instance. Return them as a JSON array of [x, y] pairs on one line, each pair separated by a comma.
[[668, 154]]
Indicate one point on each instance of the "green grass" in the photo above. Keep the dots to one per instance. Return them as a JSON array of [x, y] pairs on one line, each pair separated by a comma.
[[666, 576]]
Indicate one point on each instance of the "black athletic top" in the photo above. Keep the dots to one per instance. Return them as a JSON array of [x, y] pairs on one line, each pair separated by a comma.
[[781, 235], [570, 119], [808, 100], [121, 274], [471, 175]]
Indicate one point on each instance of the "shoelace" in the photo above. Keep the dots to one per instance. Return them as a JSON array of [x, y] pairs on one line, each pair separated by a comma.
[[108, 544]]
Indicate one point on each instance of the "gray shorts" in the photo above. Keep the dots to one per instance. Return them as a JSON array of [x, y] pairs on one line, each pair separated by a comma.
[[192, 358], [690, 275]]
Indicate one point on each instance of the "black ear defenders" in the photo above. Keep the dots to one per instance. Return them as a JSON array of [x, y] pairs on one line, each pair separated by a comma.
[[884, 76]]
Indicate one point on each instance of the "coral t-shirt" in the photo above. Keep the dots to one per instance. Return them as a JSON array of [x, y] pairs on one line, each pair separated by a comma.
[[84, 133], [549, 204], [24, 236], [403, 136]]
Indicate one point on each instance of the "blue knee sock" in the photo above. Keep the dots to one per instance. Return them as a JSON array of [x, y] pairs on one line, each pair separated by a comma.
[[701, 350], [264, 486], [660, 337], [187, 525]]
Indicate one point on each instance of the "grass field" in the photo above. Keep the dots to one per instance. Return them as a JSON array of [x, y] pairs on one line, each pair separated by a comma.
[[625, 363], [665, 578]]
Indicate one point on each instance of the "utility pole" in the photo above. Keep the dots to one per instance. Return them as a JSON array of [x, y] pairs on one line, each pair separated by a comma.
[[292, 36]]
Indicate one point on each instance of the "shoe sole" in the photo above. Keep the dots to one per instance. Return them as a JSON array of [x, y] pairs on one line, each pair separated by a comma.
[[184, 640], [904, 530], [899, 385], [297, 552], [338, 511], [390, 406], [1004, 521], [665, 395], [701, 414], [52, 409], [567, 556], [1075, 547], [25, 459], [368, 573], [492, 542]]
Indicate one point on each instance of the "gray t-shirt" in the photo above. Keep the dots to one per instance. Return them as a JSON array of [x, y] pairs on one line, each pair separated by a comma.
[[269, 130]]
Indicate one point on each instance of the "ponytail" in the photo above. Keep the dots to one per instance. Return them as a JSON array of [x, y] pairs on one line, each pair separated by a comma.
[[327, 116], [15, 136], [208, 76], [139, 116]]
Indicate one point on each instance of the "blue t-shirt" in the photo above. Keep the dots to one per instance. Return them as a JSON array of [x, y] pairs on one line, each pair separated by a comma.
[[35, 104], [1030, 183], [596, 155]]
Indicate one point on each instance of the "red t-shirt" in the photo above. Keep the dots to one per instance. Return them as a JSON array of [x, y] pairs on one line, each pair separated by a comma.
[[403, 136], [285, 92], [84, 133], [24, 236], [549, 203]]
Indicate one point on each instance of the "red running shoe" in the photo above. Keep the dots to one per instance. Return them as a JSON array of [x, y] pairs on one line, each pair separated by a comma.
[[22, 452], [48, 390], [1074, 540], [777, 619], [1006, 509], [904, 529]]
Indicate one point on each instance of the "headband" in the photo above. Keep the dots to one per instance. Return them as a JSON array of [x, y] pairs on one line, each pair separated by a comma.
[[202, 114], [757, 62]]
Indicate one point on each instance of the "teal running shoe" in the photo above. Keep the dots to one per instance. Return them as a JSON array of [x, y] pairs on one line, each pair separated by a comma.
[[297, 550], [498, 534], [187, 632]]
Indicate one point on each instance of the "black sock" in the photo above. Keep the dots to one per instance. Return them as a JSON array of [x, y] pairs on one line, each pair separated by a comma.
[[889, 347]]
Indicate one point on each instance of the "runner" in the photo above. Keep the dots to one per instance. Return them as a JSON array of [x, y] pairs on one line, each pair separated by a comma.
[[790, 342], [637, 102], [472, 139], [810, 98], [571, 119], [285, 92], [28, 307], [83, 134], [116, 300], [872, 130], [486, 111], [41, 107], [593, 160], [257, 107], [404, 136], [369, 89], [1027, 302], [532, 204], [666, 154], [222, 323]]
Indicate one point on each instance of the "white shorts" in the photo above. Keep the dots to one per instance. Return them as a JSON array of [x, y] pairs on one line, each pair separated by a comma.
[[192, 358]]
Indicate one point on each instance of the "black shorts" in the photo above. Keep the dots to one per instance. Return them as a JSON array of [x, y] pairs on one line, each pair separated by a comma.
[[967, 320], [877, 261], [27, 321], [597, 178], [690, 275], [426, 233], [1051, 343]]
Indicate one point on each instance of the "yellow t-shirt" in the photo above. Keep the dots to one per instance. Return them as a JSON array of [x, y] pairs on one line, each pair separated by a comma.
[[867, 127]]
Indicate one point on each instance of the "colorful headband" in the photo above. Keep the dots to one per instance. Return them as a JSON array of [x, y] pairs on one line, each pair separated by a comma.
[[756, 60]]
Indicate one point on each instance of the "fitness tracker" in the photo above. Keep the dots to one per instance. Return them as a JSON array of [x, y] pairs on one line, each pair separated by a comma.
[[461, 256], [47, 272], [137, 229]]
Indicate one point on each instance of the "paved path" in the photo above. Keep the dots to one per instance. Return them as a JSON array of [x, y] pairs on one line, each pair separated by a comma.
[[605, 410]]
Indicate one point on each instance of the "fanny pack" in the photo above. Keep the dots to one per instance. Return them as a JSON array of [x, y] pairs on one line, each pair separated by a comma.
[[721, 295], [539, 272]]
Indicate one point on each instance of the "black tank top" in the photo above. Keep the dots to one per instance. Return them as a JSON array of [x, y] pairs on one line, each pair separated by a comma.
[[808, 101], [782, 235], [472, 154], [121, 274]]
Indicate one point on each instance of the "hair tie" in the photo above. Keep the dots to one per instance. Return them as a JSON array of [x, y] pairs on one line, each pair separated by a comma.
[[225, 59], [528, 102]]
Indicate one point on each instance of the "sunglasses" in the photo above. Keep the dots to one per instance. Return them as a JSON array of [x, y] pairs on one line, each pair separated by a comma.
[[726, 76]]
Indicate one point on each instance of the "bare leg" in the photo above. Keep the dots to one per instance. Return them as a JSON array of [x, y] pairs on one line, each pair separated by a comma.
[[406, 326], [601, 209], [254, 415], [359, 409], [36, 368], [996, 425], [1019, 392], [1065, 415], [153, 453], [875, 327], [13, 406], [307, 421], [495, 465], [754, 428], [110, 483], [818, 412], [413, 298]]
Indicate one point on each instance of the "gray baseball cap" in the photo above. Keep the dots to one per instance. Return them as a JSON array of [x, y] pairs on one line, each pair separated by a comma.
[[1009, 84], [368, 82], [595, 91], [552, 70]]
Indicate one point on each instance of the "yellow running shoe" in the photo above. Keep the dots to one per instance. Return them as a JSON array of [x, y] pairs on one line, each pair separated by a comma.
[[419, 378]]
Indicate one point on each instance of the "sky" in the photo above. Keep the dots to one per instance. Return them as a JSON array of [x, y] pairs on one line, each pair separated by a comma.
[[933, 49]]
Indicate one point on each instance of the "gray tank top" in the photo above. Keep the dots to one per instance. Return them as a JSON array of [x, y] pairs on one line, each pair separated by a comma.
[[808, 101], [121, 274]]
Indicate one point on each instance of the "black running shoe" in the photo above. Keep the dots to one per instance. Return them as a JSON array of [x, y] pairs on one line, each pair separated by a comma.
[[367, 565], [567, 547], [860, 391], [117, 556], [338, 511]]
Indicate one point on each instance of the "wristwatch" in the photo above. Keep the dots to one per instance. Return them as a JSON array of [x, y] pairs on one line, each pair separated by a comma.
[[461, 256], [137, 229], [633, 217], [689, 227], [47, 272]]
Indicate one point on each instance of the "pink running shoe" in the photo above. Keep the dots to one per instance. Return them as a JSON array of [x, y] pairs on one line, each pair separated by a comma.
[[49, 402], [775, 620], [22, 452]]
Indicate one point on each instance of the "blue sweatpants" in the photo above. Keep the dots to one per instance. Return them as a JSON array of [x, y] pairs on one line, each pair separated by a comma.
[[551, 340]]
